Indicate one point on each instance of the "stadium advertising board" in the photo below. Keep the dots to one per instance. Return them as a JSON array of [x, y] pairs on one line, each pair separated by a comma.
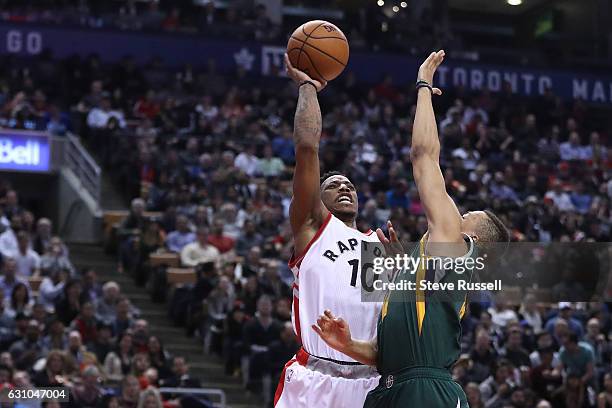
[[24, 151], [179, 49]]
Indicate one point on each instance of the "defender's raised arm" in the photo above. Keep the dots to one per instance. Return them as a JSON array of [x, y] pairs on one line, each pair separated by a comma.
[[443, 218]]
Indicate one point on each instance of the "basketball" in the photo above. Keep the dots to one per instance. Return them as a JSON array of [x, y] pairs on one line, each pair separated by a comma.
[[319, 49]]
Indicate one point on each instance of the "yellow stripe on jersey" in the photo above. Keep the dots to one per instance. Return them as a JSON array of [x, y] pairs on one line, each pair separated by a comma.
[[420, 296], [463, 307], [385, 306]]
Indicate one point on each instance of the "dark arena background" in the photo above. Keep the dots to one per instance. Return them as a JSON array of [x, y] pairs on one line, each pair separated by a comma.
[[146, 158]]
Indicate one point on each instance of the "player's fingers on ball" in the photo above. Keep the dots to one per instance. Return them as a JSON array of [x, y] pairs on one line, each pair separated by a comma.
[[287, 62]]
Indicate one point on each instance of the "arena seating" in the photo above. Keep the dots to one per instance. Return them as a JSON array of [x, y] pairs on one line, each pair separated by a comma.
[[196, 157]]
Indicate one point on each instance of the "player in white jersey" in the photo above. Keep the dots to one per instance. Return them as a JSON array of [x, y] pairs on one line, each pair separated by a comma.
[[327, 268]]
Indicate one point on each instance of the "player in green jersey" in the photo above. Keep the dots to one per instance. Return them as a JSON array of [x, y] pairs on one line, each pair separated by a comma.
[[418, 337]]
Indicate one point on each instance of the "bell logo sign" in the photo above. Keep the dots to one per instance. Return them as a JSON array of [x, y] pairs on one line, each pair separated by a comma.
[[24, 151]]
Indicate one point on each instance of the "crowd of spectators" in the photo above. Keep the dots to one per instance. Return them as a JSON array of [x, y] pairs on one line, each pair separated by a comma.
[[60, 327], [214, 155], [242, 19]]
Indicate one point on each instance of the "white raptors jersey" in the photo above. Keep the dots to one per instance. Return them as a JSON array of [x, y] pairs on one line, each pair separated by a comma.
[[328, 275]]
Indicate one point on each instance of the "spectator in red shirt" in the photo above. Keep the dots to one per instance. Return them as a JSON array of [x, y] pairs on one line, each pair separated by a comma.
[[86, 323], [220, 241], [147, 106]]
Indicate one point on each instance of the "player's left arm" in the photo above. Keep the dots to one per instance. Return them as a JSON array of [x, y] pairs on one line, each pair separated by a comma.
[[443, 218], [336, 333]]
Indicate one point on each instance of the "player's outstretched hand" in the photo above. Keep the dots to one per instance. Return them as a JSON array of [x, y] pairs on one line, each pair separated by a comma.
[[334, 331], [300, 76], [392, 244], [428, 69]]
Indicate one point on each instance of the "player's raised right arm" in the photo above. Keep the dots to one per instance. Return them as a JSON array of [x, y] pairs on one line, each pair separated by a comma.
[[306, 205], [337, 334]]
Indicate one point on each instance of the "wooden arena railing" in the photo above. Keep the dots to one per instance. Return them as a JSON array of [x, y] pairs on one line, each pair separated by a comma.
[[169, 259], [181, 276], [111, 221]]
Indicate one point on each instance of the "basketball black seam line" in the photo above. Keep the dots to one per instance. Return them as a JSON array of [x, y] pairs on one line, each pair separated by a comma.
[[328, 38], [320, 50], [314, 66], [305, 40], [322, 38]]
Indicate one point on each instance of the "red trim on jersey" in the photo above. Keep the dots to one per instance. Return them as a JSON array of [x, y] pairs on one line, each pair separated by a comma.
[[295, 286], [369, 232], [281, 382], [302, 356], [296, 260], [296, 318]]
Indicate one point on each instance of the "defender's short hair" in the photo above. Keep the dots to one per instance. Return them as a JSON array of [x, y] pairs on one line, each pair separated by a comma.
[[329, 174], [494, 229]]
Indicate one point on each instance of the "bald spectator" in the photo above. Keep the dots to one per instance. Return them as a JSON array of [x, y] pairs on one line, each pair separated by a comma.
[[106, 307], [75, 346], [232, 218], [179, 238], [200, 251], [89, 392], [135, 219]]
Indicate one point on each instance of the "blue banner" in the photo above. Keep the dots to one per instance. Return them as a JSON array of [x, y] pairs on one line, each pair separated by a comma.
[[370, 67], [24, 151]]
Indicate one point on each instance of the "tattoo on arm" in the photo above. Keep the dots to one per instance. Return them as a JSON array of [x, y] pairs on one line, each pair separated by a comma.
[[307, 122]]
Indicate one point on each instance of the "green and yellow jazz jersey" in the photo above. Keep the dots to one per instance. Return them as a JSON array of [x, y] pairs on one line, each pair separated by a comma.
[[419, 328]]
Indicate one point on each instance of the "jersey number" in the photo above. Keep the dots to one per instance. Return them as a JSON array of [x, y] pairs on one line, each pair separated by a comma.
[[364, 270]]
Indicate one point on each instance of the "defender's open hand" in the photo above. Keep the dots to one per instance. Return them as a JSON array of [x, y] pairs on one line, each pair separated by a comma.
[[428, 69], [333, 330]]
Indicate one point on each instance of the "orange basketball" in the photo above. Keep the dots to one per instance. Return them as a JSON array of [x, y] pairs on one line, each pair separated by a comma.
[[319, 49]]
